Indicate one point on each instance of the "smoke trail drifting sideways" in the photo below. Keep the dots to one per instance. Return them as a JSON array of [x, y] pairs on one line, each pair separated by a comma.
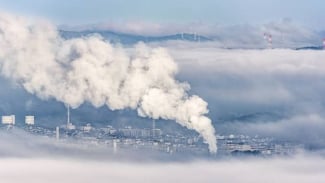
[[90, 69]]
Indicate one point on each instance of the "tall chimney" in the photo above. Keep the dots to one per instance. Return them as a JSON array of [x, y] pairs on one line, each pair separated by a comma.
[[68, 115]]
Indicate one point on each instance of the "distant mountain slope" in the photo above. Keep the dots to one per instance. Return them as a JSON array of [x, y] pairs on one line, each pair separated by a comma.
[[310, 48], [132, 39]]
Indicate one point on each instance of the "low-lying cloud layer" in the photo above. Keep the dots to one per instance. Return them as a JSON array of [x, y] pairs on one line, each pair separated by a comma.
[[296, 170], [32, 159]]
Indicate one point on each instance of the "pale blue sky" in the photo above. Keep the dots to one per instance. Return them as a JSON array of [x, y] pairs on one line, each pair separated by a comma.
[[308, 12]]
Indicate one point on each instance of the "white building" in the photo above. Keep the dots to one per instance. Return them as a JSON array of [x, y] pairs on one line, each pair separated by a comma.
[[70, 126], [29, 120], [8, 120], [87, 128]]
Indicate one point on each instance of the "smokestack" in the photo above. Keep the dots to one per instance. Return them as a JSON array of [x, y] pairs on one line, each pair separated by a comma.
[[270, 41], [114, 146], [153, 128], [68, 115], [268, 38], [70, 126], [57, 133]]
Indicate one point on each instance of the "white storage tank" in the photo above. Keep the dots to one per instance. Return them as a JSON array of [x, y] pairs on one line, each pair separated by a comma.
[[29, 120], [8, 120]]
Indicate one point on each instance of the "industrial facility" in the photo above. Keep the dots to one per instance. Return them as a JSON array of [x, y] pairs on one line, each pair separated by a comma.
[[153, 139]]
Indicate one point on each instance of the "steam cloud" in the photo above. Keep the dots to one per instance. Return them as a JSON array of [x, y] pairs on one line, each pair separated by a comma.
[[91, 70]]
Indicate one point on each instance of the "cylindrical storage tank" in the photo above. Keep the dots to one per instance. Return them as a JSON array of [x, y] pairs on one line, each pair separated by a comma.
[[29, 120], [8, 120]]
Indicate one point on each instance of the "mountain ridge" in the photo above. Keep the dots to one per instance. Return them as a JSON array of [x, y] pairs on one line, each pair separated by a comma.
[[128, 39]]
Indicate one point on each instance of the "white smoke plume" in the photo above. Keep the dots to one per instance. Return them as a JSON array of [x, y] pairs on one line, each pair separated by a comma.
[[91, 70]]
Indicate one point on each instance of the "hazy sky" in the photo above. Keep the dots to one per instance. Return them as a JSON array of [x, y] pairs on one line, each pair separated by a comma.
[[309, 12]]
